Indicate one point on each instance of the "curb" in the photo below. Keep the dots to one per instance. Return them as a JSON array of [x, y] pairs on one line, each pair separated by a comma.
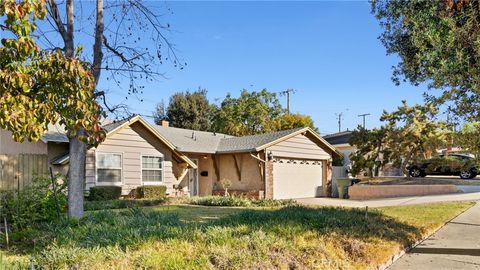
[[397, 256]]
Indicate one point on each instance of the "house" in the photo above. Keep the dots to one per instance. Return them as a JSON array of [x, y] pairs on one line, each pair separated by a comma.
[[341, 142], [281, 165]]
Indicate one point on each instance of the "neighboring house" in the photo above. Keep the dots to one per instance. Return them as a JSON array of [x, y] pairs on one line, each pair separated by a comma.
[[287, 164], [341, 141]]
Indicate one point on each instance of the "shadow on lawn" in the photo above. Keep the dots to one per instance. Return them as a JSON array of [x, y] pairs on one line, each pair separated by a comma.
[[127, 229]]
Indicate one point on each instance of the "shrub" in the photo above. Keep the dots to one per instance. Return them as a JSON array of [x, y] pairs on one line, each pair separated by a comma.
[[119, 204], [239, 201], [151, 192], [273, 203], [103, 193], [221, 201], [34, 204]]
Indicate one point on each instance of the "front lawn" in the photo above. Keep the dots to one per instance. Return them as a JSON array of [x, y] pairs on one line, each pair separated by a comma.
[[201, 237]]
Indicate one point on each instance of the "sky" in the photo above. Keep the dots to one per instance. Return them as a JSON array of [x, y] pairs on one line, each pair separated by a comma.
[[328, 52]]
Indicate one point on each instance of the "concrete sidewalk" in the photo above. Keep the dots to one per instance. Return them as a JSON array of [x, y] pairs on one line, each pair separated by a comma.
[[392, 201], [455, 246]]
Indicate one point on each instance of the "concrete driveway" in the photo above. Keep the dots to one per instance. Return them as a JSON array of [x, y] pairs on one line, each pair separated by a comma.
[[474, 196], [454, 246]]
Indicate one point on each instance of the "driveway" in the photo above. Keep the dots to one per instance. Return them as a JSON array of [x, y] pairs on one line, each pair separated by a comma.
[[455, 246], [474, 196]]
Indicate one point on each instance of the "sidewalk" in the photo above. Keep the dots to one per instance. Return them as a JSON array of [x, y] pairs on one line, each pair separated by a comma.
[[455, 246], [392, 201]]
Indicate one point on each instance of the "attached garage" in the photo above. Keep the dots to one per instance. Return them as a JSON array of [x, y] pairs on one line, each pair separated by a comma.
[[296, 178]]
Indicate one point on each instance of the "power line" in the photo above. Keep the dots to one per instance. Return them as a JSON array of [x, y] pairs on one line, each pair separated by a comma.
[[363, 116]]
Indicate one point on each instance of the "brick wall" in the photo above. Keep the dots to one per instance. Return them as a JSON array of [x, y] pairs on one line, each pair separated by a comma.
[[269, 179], [367, 192]]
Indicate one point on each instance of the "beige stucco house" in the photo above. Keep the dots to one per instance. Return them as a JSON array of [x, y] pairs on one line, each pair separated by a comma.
[[281, 165]]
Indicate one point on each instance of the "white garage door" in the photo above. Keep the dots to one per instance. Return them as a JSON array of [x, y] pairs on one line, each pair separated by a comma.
[[294, 178]]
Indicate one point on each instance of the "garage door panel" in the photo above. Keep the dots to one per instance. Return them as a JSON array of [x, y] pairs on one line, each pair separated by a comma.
[[295, 178]]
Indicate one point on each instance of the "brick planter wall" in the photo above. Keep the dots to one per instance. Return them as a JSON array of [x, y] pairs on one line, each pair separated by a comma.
[[367, 192]]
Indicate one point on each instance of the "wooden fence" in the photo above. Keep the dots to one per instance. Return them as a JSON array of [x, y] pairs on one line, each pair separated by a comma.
[[17, 171]]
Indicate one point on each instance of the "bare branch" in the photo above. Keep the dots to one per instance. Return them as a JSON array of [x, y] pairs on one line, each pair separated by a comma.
[[55, 14], [99, 39]]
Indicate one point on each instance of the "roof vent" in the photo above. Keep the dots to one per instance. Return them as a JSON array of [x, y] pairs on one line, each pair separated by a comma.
[[193, 134]]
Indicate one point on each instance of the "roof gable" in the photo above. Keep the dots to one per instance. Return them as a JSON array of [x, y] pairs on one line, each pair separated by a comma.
[[112, 128], [257, 143]]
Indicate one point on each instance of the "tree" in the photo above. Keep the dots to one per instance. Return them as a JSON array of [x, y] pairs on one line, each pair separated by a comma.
[[186, 110], [468, 138], [437, 42], [291, 121], [251, 113], [412, 131], [115, 49], [371, 153]]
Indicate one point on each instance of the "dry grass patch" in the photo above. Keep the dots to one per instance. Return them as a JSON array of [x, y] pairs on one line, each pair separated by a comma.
[[196, 237]]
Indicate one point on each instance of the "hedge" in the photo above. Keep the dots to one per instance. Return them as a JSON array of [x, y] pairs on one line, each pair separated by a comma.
[[151, 192], [103, 193]]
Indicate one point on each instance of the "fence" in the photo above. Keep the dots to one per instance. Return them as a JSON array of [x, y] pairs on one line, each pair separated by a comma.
[[17, 171]]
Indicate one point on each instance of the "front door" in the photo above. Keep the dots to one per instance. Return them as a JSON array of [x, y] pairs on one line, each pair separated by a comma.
[[193, 180]]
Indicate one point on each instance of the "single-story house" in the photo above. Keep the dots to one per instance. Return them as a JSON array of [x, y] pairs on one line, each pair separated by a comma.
[[287, 164], [341, 142]]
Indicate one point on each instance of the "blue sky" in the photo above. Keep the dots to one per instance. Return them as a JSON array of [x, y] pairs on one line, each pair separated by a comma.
[[327, 51]]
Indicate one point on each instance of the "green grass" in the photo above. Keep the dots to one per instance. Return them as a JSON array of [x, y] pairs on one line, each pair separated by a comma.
[[200, 237]]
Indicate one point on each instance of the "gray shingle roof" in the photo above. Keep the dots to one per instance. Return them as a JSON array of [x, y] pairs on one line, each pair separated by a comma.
[[55, 133], [192, 141], [338, 138], [250, 143]]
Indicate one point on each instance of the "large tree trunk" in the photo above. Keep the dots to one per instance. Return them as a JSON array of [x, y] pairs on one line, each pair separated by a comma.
[[78, 150]]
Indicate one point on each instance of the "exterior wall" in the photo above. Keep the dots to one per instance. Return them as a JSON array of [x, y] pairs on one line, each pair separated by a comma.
[[367, 192], [250, 176], [205, 165], [269, 179], [132, 142], [55, 150], [9, 146], [299, 147]]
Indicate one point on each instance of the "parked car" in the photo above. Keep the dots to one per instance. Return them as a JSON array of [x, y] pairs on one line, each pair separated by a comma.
[[454, 164]]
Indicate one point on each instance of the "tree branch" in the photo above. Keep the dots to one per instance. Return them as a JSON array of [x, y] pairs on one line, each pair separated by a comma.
[[55, 14], [99, 40]]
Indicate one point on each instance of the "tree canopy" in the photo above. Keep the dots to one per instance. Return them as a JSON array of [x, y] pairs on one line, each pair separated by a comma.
[[250, 113], [468, 138], [437, 42], [408, 133], [186, 110], [38, 87]]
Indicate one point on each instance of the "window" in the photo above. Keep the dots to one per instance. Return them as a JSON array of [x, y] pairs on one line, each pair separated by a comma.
[[109, 168], [152, 169]]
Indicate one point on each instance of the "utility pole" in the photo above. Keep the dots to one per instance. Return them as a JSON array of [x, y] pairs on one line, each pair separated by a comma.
[[287, 93], [363, 116], [339, 119]]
